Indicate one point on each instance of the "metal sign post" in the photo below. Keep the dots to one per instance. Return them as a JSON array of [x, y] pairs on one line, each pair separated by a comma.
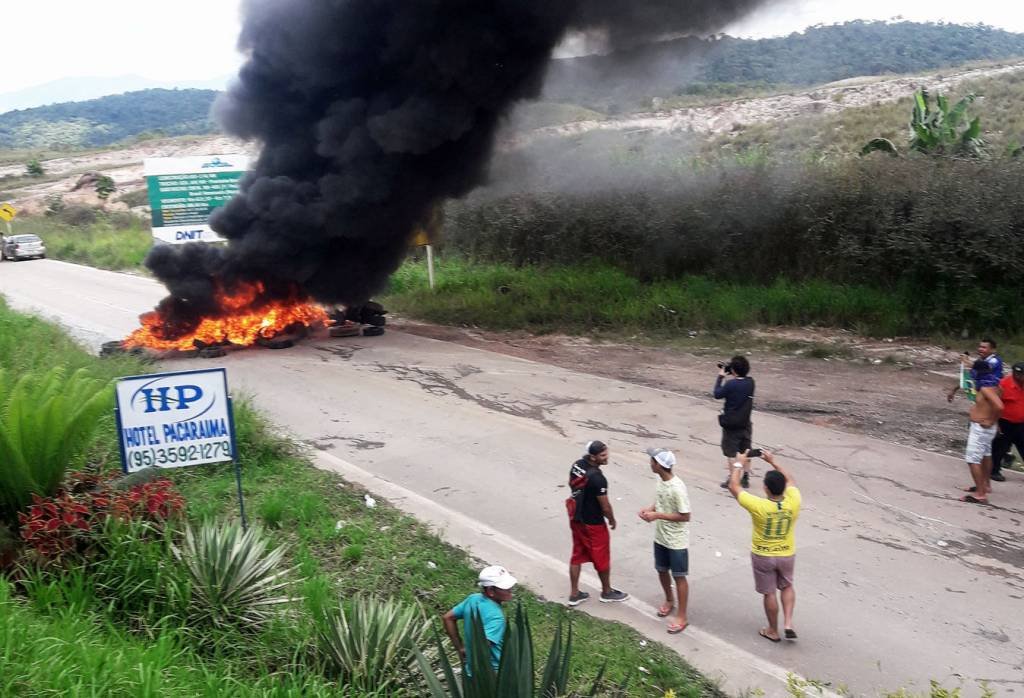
[[430, 266], [178, 419]]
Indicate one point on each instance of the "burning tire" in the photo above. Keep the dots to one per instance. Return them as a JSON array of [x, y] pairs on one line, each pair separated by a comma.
[[275, 342], [112, 348], [344, 330], [376, 320], [373, 331], [211, 353]]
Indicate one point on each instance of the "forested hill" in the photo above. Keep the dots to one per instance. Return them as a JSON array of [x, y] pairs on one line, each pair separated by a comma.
[[625, 81], [725, 65], [98, 122]]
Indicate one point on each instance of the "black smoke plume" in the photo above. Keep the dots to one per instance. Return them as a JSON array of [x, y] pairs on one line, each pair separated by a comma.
[[370, 113]]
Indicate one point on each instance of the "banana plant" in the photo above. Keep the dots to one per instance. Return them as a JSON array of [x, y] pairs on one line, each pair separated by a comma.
[[515, 677], [937, 131]]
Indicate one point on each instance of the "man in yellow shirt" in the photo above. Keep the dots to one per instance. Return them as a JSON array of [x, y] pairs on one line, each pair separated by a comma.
[[773, 546]]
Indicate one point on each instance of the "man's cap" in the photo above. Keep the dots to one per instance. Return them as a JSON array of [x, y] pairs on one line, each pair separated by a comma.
[[595, 447], [664, 457], [496, 576], [1018, 367]]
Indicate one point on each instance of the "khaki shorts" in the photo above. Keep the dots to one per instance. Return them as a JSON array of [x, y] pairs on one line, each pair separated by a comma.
[[771, 573], [979, 442]]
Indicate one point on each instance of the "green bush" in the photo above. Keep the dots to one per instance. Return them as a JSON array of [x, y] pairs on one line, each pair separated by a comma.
[[48, 420], [937, 233], [134, 575]]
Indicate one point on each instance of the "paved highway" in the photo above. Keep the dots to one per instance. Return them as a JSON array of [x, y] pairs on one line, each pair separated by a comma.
[[897, 582]]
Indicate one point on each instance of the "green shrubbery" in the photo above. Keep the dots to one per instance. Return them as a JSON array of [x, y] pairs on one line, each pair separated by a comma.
[[936, 236], [108, 240]]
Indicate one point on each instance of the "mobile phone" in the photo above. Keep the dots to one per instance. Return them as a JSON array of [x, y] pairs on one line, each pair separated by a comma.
[[754, 453]]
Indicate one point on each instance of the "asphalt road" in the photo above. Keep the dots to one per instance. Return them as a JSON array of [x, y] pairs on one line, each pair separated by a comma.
[[897, 582]]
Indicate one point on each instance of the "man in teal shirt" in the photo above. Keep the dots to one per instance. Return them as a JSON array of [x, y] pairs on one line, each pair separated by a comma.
[[496, 588]]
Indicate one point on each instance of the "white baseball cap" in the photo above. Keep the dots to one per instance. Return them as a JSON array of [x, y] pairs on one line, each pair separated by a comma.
[[665, 458], [496, 576]]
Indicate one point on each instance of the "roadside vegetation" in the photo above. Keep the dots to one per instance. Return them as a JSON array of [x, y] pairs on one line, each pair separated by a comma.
[[126, 586], [108, 240], [600, 298]]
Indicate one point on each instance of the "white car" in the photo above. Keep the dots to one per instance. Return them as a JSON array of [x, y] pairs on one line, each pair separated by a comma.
[[23, 247]]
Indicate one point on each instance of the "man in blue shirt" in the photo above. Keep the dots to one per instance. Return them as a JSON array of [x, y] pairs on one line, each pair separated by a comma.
[[987, 353], [496, 588], [737, 429]]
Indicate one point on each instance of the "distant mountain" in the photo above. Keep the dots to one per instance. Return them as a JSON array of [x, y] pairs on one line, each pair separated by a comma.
[[98, 122], [626, 80], [77, 89]]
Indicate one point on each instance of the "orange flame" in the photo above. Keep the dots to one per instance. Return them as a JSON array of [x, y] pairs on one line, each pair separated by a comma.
[[244, 323]]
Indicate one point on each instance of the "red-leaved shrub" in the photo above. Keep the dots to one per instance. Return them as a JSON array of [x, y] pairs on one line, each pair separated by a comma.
[[60, 525]]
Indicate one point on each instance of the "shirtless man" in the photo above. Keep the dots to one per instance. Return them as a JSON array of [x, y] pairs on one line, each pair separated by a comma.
[[984, 416]]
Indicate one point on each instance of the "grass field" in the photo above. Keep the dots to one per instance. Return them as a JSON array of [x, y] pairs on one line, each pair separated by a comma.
[[61, 638], [118, 242], [597, 298]]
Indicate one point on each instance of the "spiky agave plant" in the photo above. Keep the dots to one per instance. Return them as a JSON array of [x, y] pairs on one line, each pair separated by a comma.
[[372, 643], [515, 677], [236, 576]]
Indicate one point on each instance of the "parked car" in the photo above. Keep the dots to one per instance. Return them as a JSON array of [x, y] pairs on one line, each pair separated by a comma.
[[23, 247]]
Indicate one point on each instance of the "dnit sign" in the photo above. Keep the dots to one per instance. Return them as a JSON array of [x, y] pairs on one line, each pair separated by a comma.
[[172, 420]]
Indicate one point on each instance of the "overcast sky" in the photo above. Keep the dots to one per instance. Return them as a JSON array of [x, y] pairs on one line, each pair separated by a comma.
[[195, 39]]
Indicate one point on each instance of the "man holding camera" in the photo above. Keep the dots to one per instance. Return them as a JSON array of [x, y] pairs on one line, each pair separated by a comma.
[[737, 430], [773, 542]]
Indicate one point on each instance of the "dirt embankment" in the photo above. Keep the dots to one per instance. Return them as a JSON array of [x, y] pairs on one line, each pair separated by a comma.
[[722, 118], [123, 165]]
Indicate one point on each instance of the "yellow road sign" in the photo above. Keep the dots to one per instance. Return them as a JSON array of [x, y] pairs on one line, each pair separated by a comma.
[[7, 212], [420, 237]]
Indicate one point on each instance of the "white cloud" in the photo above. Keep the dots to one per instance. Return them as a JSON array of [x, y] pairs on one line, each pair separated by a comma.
[[183, 40], [195, 39]]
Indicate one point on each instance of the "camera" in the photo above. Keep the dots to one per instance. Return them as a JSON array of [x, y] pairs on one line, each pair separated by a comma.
[[725, 366], [754, 453]]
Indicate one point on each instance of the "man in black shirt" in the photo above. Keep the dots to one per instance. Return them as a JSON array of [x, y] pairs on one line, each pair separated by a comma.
[[588, 508], [737, 429]]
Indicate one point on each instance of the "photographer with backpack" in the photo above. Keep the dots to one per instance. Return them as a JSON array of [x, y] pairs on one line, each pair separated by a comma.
[[737, 429]]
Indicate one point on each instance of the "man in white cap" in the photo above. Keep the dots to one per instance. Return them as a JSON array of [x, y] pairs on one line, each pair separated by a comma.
[[496, 588], [671, 514]]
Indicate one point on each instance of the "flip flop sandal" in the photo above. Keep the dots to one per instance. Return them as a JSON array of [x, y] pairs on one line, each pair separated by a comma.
[[973, 500], [768, 637], [674, 629], [972, 488], [790, 634], [664, 610]]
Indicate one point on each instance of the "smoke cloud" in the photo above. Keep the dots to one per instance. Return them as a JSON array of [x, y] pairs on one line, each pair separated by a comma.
[[370, 113]]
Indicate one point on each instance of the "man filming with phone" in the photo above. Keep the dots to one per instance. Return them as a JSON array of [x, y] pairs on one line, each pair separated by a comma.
[[773, 544], [737, 429]]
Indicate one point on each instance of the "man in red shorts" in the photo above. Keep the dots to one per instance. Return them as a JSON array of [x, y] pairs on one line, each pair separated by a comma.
[[589, 508]]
